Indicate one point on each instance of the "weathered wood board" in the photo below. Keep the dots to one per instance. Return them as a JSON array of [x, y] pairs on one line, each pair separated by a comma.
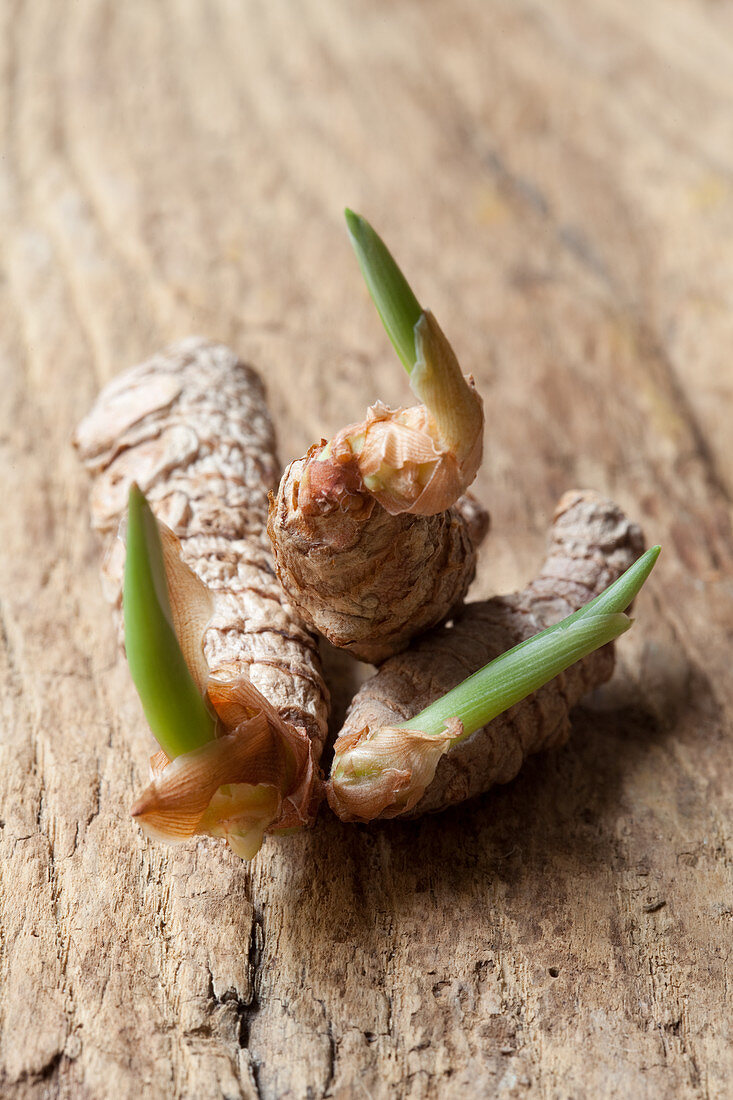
[[557, 180]]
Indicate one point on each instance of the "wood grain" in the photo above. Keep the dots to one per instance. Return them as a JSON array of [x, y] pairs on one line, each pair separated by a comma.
[[557, 180]]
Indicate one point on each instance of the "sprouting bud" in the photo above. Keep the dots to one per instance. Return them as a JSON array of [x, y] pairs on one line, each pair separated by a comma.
[[438, 381], [418, 460], [385, 772], [421, 459], [229, 765], [258, 773]]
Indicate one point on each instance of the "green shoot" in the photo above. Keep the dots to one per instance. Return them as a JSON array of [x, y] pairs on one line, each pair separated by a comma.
[[536, 661], [175, 710], [391, 293]]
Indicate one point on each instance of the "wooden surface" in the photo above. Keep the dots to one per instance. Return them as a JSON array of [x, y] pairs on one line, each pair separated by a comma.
[[557, 180]]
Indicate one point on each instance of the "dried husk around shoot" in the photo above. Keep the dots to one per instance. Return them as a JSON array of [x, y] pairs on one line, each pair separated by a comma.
[[592, 543], [373, 537], [191, 428]]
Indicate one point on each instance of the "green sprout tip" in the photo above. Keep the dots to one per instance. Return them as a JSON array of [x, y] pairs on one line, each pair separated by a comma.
[[396, 303], [528, 666], [174, 706]]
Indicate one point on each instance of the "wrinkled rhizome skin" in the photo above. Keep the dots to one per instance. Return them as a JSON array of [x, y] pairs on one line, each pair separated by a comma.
[[374, 542], [591, 544], [191, 427]]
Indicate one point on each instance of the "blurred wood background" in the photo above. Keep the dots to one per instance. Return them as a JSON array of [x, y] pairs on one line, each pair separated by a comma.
[[557, 181]]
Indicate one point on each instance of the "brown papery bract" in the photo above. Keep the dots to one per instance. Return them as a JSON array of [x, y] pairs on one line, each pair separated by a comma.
[[400, 461], [401, 764], [254, 749]]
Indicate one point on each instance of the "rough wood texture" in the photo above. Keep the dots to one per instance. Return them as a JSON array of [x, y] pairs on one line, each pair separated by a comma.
[[560, 177]]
